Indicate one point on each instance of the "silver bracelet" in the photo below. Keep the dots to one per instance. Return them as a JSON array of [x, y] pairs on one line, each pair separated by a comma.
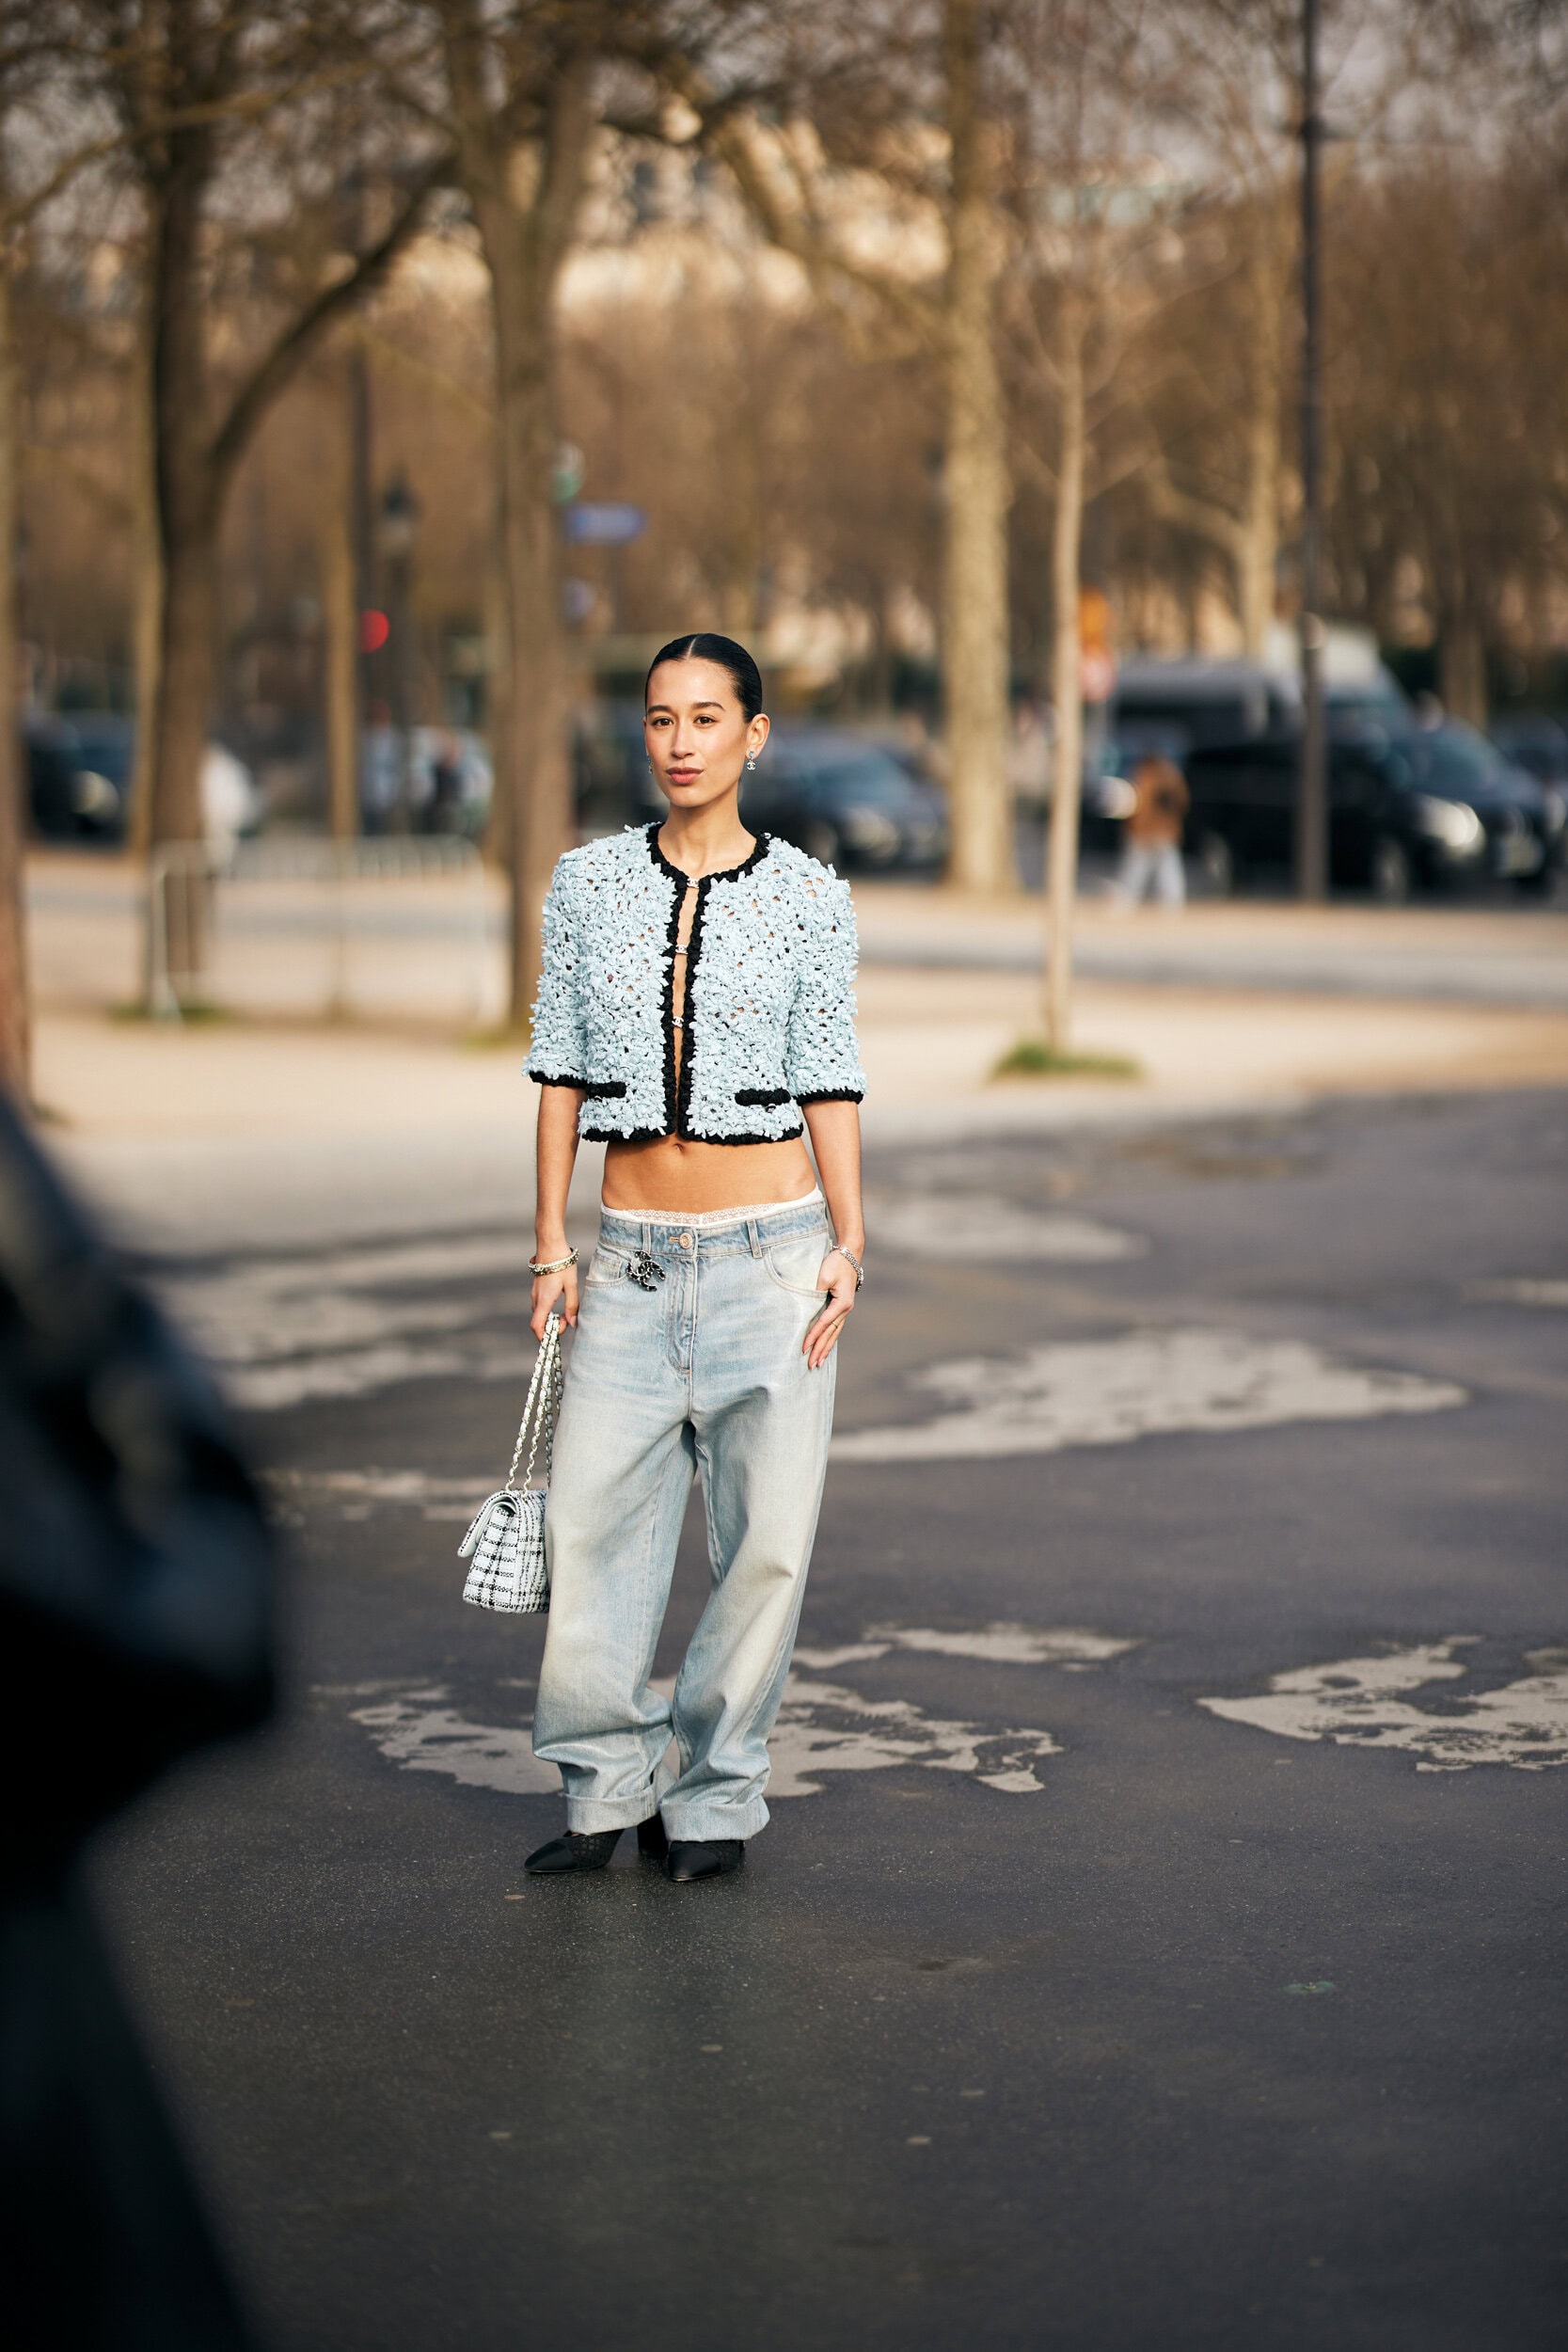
[[553, 1265], [860, 1271]]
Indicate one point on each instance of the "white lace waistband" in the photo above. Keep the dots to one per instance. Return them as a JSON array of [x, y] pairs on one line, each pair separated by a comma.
[[711, 1220]]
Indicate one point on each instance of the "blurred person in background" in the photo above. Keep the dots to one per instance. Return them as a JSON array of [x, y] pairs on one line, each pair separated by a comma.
[[1152, 857], [135, 1572]]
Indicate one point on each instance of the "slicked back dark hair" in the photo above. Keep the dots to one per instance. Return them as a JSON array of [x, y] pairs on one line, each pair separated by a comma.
[[744, 673]]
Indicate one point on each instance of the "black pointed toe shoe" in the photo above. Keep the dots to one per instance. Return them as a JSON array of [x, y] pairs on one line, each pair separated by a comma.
[[704, 1857], [578, 1850], [590, 1850]]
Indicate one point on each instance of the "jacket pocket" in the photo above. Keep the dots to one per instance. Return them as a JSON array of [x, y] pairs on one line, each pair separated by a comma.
[[763, 1098], [606, 1090]]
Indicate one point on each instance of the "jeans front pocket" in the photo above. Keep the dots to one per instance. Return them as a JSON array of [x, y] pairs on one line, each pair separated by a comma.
[[603, 1266], [793, 1262]]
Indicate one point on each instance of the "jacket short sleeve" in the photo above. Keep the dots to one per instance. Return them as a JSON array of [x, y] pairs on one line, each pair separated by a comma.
[[823, 1063], [558, 1052]]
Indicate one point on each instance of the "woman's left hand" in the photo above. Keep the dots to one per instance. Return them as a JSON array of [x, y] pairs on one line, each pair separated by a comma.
[[838, 1278]]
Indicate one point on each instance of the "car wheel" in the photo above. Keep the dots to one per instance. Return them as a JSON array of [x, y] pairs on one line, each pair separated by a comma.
[[1388, 873], [823, 841], [1217, 865]]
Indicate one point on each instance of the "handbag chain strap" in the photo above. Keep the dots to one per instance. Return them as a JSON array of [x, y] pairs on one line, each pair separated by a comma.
[[544, 1403]]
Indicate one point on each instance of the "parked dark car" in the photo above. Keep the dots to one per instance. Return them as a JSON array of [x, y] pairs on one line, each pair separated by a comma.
[[845, 802], [849, 802], [1535, 742], [1174, 708], [1538, 745], [1410, 809], [78, 776]]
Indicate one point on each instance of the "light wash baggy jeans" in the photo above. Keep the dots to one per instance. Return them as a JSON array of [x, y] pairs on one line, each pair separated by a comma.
[[703, 1371]]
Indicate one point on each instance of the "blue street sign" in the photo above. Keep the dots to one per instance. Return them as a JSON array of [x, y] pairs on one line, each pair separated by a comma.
[[603, 522]]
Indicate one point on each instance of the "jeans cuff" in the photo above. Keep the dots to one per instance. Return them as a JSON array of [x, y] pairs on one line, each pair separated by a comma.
[[588, 1813], [697, 1821]]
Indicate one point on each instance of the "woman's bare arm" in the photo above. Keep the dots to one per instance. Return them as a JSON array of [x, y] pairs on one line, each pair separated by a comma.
[[835, 1142], [555, 1155]]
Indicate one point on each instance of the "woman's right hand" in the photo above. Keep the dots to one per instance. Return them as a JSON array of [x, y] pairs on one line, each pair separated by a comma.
[[554, 1290]]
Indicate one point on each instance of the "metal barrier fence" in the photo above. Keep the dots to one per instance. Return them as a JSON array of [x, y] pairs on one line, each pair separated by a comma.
[[326, 894]]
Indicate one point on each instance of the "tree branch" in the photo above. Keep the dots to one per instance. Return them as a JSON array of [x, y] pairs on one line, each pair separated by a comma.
[[296, 344], [821, 260]]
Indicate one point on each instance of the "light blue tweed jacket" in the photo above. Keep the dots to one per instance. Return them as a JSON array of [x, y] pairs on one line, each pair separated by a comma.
[[770, 992]]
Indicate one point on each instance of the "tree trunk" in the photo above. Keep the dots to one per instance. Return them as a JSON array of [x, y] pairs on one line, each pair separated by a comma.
[[340, 631], [975, 623], [186, 495], [146, 595], [1461, 670], [526, 202], [15, 1027], [1257, 530], [532, 774], [1066, 691]]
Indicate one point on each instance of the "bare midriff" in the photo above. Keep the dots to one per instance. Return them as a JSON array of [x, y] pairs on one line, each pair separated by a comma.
[[667, 1176]]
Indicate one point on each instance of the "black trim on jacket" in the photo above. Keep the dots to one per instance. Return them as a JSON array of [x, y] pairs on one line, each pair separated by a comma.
[[678, 1086], [726, 873], [688, 998], [833, 1094]]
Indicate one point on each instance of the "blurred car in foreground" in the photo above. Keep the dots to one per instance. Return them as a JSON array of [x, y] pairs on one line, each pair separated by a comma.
[[79, 772], [1409, 809]]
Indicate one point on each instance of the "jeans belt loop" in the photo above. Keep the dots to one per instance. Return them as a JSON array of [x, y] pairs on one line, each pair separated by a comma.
[[753, 1236], [647, 1239]]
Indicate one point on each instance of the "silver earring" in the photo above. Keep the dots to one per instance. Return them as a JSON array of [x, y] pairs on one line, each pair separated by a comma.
[[750, 763]]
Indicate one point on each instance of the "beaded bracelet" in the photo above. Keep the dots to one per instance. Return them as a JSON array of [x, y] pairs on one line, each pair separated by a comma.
[[553, 1265]]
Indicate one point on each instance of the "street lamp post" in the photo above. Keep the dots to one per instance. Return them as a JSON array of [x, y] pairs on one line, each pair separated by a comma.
[[399, 521], [1313, 787]]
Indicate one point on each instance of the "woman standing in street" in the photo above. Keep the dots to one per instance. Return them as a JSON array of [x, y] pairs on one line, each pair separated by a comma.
[[697, 998]]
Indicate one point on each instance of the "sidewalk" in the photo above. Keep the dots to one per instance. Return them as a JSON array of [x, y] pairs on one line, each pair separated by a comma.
[[254, 1135], [1481, 954], [275, 1131]]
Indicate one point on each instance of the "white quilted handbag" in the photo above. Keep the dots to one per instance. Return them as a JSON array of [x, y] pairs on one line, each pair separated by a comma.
[[506, 1541]]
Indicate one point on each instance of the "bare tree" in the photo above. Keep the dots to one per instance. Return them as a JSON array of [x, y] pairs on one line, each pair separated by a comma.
[[520, 105], [902, 97], [30, 62], [1099, 260], [183, 81]]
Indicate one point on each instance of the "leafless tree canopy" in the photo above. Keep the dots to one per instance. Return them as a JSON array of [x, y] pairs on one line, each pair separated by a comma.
[[900, 321]]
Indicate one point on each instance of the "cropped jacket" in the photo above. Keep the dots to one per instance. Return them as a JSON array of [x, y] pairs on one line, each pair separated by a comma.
[[769, 1009]]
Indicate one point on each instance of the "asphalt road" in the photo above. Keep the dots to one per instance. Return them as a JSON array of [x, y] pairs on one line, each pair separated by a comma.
[[1060, 2007]]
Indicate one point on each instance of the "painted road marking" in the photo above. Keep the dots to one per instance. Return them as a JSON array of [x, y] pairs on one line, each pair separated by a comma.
[[1361, 1702], [1082, 1393], [923, 1225]]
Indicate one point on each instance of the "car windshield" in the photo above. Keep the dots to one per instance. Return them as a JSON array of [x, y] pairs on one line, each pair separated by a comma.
[[1454, 761]]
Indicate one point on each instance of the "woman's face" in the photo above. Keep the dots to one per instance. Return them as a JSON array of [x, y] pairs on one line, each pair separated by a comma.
[[697, 735]]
